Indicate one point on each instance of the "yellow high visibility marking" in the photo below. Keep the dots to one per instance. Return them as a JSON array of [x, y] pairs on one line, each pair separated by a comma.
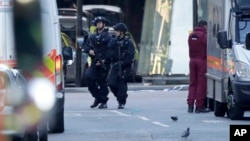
[[49, 63]]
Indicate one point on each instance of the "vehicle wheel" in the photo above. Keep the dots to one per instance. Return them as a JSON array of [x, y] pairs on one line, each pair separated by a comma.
[[57, 124], [43, 132], [43, 137], [83, 81], [220, 109], [30, 137], [211, 104], [234, 110], [235, 113]]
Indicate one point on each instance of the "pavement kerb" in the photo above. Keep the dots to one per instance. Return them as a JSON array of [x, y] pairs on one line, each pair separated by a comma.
[[131, 87]]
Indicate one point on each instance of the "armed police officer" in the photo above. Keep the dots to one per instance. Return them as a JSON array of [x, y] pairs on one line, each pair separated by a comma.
[[96, 74], [122, 58]]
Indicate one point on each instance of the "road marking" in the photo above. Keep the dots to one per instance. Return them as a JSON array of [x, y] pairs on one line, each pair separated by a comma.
[[143, 118], [120, 113], [140, 117], [160, 124], [212, 121]]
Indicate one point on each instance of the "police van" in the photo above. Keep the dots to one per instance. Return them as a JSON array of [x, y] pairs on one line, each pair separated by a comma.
[[228, 57], [51, 67]]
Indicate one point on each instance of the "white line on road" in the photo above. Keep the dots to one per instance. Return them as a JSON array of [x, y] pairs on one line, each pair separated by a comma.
[[125, 115], [212, 121], [160, 124], [140, 117], [120, 113], [78, 114], [143, 118]]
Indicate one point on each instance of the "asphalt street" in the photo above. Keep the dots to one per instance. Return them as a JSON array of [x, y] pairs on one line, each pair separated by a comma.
[[136, 87], [146, 117]]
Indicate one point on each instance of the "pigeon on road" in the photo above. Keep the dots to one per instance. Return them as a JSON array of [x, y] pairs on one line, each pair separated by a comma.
[[186, 133], [174, 118]]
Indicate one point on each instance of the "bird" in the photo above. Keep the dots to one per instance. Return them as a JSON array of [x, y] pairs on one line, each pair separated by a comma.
[[174, 118], [186, 133]]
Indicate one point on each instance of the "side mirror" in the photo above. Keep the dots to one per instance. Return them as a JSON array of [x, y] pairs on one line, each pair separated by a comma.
[[222, 39], [67, 53], [247, 41]]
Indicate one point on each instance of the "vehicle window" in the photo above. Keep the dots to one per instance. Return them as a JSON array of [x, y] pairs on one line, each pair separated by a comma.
[[244, 28], [70, 42], [2, 33], [63, 44], [6, 34], [67, 41]]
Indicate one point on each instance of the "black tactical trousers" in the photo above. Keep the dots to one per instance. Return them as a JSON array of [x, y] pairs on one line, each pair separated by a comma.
[[118, 84], [96, 78]]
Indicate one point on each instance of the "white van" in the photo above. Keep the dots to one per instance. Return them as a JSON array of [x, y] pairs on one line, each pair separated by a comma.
[[53, 61], [52, 53]]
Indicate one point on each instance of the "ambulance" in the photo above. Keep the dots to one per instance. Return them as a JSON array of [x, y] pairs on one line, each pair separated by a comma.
[[52, 54]]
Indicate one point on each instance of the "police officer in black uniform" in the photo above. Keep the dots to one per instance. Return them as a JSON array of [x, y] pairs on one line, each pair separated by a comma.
[[122, 58], [96, 74]]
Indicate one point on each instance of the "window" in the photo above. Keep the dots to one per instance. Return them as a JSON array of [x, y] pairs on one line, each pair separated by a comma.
[[244, 28]]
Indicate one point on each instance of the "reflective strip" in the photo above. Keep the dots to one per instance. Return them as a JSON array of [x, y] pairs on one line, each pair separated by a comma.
[[215, 63], [49, 66]]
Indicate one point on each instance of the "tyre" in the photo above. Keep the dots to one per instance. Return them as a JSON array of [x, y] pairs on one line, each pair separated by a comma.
[[56, 125], [43, 137], [235, 112], [211, 103], [56, 118], [83, 80], [43, 132], [220, 109], [29, 137]]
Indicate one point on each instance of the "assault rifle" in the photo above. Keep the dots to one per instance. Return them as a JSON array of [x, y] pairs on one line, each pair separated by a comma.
[[97, 56]]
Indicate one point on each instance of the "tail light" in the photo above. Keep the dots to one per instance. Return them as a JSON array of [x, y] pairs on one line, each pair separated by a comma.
[[58, 74]]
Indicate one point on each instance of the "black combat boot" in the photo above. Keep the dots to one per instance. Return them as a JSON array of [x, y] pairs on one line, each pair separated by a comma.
[[103, 106], [121, 106], [95, 104], [202, 110]]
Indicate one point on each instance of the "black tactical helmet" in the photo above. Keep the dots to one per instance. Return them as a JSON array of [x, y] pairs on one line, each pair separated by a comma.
[[120, 27], [100, 19]]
